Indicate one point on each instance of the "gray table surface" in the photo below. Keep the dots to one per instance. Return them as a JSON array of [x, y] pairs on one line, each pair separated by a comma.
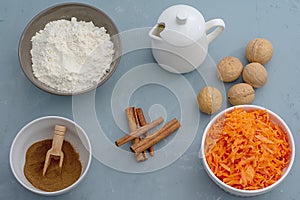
[[21, 102]]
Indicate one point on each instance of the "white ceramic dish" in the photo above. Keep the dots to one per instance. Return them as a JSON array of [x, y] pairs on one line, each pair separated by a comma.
[[246, 193], [41, 129]]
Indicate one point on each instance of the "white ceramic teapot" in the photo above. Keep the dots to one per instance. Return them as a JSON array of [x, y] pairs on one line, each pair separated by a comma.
[[180, 40]]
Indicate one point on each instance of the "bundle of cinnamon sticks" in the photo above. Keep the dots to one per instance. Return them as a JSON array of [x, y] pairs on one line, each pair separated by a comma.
[[138, 127]]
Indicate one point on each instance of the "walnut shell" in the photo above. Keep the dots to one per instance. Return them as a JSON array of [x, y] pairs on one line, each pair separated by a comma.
[[229, 69], [209, 100], [259, 50], [241, 93], [255, 74]]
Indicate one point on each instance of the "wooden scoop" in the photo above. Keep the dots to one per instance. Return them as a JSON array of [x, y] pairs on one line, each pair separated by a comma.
[[58, 139]]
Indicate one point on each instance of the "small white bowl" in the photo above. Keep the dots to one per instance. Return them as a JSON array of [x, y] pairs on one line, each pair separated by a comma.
[[247, 193], [41, 129]]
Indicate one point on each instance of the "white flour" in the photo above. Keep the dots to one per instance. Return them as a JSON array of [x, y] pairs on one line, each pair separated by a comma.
[[71, 56]]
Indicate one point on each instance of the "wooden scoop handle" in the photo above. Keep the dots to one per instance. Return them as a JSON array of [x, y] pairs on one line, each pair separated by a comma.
[[58, 139]]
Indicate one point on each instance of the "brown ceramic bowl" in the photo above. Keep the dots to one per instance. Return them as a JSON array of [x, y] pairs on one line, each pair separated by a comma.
[[66, 11]]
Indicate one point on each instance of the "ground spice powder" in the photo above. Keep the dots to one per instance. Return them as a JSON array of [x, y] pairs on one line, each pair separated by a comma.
[[55, 178]]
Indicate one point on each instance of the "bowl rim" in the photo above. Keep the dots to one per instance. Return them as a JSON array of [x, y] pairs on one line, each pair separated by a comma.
[[44, 87], [229, 188], [36, 190]]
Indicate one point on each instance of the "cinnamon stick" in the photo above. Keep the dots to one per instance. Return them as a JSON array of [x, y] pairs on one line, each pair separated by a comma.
[[133, 125], [159, 135], [136, 131], [140, 137], [143, 122]]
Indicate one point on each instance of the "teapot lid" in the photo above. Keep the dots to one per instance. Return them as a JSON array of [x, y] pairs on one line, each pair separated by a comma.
[[183, 25]]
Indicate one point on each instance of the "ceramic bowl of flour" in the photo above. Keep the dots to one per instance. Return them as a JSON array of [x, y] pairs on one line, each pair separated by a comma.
[[69, 61]]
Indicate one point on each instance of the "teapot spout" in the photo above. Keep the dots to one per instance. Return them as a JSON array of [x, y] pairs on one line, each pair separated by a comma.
[[156, 30]]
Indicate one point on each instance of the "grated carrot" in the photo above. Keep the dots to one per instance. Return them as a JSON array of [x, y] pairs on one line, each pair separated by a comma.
[[246, 150]]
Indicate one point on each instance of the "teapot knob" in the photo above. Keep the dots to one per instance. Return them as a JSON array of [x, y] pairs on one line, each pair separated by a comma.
[[181, 17]]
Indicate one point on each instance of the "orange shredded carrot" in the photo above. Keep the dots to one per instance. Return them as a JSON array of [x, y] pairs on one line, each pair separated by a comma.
[[246, 150]]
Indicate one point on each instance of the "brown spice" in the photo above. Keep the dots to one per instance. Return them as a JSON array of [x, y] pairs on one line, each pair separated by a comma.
[[156, 137], [134, 125], [55, 178], [138, 132], [143, 122]]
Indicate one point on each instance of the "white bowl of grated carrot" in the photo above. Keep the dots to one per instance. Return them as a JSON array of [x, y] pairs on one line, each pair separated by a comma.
[[247, 150]]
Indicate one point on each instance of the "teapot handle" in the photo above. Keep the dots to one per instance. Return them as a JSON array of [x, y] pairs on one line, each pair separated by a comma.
[[219, 27]]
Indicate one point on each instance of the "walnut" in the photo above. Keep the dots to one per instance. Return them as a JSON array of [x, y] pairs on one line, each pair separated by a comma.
[[255, 74], [241, 93], [259, 50], [229, 69], [209, 100]]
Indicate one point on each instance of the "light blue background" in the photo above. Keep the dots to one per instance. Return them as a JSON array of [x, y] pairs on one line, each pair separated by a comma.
[[21, 102]]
